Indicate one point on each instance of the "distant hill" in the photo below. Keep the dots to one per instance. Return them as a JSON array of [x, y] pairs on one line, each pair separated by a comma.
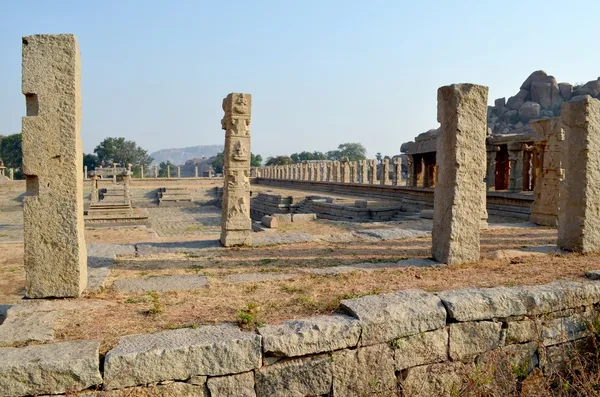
[[180, 156]]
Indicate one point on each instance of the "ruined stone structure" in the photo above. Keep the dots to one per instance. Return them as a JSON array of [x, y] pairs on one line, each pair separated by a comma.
[[579, 202], [461, 155], [549, 173], [235, 220], [55, 251]]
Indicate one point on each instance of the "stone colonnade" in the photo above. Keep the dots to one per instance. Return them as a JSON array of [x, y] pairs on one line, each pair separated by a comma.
[[361, 172]]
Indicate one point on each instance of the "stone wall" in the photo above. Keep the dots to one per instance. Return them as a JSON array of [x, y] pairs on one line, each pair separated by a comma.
[[422, 343]]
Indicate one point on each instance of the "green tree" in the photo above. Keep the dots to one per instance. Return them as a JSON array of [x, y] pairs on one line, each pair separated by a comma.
[[11, 150], [353, 151], [304, 156], [119, 150], [219, 161], [279, 160], [162, 169], [90, 161]]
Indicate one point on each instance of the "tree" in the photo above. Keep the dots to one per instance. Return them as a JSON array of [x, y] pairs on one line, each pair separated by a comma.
[[304, 156], [11, 150], [352, 151], [279, 160], [119, 150], [162, 169], [219, 161], [90, 161]]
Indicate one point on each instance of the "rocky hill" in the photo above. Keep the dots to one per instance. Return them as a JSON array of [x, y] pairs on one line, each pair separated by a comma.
[[181, 156], [539, 97]]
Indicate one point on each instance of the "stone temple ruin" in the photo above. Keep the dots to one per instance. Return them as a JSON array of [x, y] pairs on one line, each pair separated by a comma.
[[458, 181]]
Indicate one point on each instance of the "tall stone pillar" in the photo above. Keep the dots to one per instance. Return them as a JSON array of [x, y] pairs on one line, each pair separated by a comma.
[[544, 210], [94, 195], [373, 174], [196, 172], [11, 174], [490, 176], [178, 172], [85, 172], [337, 171], [579, 201], [156, 171], [410, 171], [385, 172], [235, 221], [168, 171], [352, 166], [397, 171], [142, 171], [462, 112], [515, 157], [345, 169], [364, 172], [55, 252]]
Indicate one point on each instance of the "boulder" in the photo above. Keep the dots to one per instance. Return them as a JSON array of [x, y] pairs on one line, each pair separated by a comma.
[[566, 91], [511, 116], [591, 88], [546, 93], [361, 203], [535, 76], [270, 221], [499, 105], [515, 102], [530, 111]]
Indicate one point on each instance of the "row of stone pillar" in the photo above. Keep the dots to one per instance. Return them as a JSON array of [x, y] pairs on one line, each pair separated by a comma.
[[362, 171], [154, 172]]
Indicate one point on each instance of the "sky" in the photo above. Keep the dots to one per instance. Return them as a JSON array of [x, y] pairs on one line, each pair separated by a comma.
[[321, 72]]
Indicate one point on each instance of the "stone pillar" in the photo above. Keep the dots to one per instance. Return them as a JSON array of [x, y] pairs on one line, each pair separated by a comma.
[[55, 252], [85, 172], [156, 171], [364, 172], [373, 174], [142, 171], [178, 172], [579, 200], [515, 157], [544, 210], [352, 167], [385, 172], [235, 221], [94, 194], [397, 171], [168, 171], [462, 113], [11, 174], [345, 172], [410, 171], [490, 177], [126, 181], [336, 171], [129, 167]]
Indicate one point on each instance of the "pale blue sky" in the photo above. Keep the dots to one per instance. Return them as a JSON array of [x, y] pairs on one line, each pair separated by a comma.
[[320, 72]]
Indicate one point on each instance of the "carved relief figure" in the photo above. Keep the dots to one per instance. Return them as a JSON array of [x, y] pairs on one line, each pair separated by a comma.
[[240, 153]]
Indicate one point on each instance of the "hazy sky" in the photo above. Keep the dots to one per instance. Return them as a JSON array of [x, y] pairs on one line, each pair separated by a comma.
[[321, 72]]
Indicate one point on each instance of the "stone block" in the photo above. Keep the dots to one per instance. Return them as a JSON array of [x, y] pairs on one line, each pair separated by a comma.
[[184, 282], [366, 371], [426, 214], [270, 222], [240, 385], [173, 389], [180, 354], [469, 339], [302, 218], [461, 156], [310, 336], [55, 252], [424, 348], [579, 197], [310, 376], [387, 317], [361, 203], [283, 218], [559, 295], [443, 380], [49, 369], [473, 304], [522, 331], [565, 329]]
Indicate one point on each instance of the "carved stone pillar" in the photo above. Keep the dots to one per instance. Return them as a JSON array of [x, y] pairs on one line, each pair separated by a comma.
[[94, 194], [178, 172], [491, 151], [397, 171], [515, 157], [373, 174], [156, 171], [385, 172], [141, 171], [195, 172], [235, 220]]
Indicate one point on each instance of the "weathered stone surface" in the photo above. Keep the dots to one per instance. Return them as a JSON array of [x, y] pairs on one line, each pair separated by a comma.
[[97, 277], [444, 380], [283, 218], [241, 385], [469, 339], [270, 222], [258, 277], [591, 88], [424, 348], [566, 91], [161, 283], [235, 221], [515, 102], [366, 371], [310, 336], [390, 316], [593, 274], [579, 215], [427, 214], [284, 238], [179, 354], [565, 329], [55, 252], [395, 233], [28, 328], [174, 389], [522, 331], [559, 295], [546, 93], [535, 76], [301, 218], [473, 304], [49, 369], [310, 376], [461, 157], [3, 310], [361, 203]]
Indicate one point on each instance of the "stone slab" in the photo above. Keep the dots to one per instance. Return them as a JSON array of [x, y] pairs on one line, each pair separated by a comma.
[[310, 336], [469, 339], [97, 277], [161, 283], [188, 247], [593, 274], [282, 238], [283, 218], [302, 218], [299, 377], [472, 304], [391, 316], [240, 385], [49, 369], [424, 348], [392, 233], [258, 277], [180, 354]]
